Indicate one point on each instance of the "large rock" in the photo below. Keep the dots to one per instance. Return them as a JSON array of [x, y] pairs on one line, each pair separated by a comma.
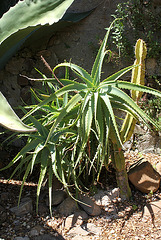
[[158, 168], [88, 205], [24, 207], [58, 196], [143, 176], [68, 207], [48, 237], [147, 141]]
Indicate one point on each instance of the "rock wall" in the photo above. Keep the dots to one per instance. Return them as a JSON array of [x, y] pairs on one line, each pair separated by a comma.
[[78, 43]]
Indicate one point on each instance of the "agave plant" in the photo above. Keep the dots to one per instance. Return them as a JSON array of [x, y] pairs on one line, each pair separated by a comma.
[[10, 120], [29, 16], [97, 101]]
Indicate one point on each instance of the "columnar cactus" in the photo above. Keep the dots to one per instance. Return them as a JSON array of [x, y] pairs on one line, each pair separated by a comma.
[[138, 76]]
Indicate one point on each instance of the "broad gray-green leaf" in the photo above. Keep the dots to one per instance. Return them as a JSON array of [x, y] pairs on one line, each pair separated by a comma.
[[23, 19], [10, 120], [23, 15]]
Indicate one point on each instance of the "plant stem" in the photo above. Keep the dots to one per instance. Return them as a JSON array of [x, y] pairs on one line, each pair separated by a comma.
[[118, 160], [122, 181]]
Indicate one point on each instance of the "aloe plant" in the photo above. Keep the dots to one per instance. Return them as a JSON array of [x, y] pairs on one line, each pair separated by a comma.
[[39, 152], [72, 120], [97, 100]]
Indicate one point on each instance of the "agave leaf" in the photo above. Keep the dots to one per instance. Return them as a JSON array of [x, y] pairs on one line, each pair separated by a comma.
[[45, 32], [52, 150], [10, 120], [86, 121], [33, 14], [23, 19]]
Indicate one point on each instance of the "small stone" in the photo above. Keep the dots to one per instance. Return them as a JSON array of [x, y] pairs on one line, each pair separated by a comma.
[[143, 176], [152, 208], [75, 219], [35, 231], [24, 207], [42, 209], [46, 237], [115, 193], [58, 196], [3, 215], [4, 196], [77, 231], [67, 207], [21, 238], [90, 207], [92, 228]]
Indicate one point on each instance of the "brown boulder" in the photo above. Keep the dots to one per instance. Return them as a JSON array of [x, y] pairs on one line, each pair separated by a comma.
[[144, 177], [158, 168]]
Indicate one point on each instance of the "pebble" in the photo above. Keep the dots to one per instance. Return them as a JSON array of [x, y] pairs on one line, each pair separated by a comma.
[[21, 238]]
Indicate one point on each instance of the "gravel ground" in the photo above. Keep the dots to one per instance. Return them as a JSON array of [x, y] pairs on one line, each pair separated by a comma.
[[128, 222]]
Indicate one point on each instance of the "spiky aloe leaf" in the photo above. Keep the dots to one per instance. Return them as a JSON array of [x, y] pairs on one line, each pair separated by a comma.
[[10, 120], [97, 66], [26, 17], [24, 179], [137, 110], [50, 177], [71, 104], [44, 164], [136, 87], [80, 72]]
